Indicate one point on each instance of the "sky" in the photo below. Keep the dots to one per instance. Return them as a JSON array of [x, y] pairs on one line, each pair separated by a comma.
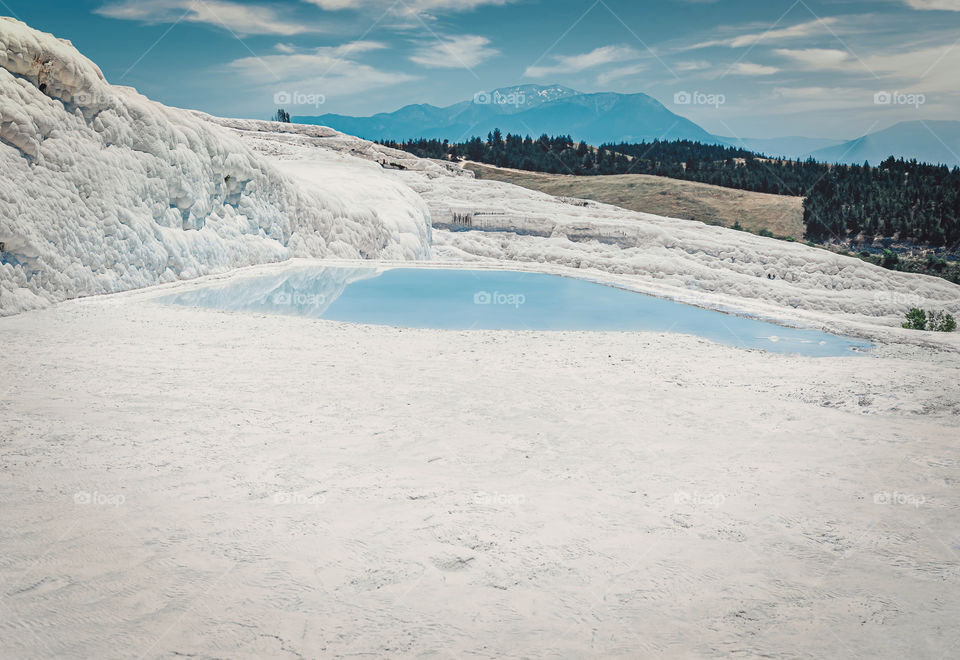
[[742, 68]]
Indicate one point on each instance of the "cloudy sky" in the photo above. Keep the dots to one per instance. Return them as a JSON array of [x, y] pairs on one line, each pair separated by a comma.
[[749, 68]]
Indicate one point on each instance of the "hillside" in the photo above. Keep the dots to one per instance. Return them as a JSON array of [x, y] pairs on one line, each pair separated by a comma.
[[673, 198], [913, 203]]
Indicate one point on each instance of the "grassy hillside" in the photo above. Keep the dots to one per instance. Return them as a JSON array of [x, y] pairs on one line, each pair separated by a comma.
[[778, 214]]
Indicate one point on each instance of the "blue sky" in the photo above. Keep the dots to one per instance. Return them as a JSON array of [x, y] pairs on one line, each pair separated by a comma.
[[751, 68]]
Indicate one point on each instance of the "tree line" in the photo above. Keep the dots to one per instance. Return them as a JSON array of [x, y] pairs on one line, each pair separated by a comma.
[[905, 200]]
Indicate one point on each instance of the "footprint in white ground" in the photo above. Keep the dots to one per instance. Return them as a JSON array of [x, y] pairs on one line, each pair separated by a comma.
[[452, 562]]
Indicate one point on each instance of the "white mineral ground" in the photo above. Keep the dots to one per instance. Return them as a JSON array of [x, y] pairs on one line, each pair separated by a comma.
[[194, 482]]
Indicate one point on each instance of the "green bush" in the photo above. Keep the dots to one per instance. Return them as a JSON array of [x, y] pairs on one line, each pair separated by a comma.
[[936, 263], [890, 259], [941, 322], [917, 319]]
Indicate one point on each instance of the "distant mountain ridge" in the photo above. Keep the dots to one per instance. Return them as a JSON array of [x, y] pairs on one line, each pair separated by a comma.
[[794, 147], [607, 117], [528, 110], [936, 142]]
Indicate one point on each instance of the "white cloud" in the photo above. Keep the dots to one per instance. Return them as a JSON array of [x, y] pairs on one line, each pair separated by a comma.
[[930, 5], [929, 70], [356, 47], [751, 69], [312, 62], [617, 73], [241, 18], [798, 31], [576, 63], [459, 52], [406, 6], [337, 5], [818, 58], [319, 72], [687, 66], [815, 93]]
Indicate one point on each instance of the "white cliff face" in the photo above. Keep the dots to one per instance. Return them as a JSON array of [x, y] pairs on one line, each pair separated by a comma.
[[103, 190]]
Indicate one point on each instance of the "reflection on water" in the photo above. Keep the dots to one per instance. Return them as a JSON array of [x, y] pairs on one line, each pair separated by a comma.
[[303, 292], [496, 300]]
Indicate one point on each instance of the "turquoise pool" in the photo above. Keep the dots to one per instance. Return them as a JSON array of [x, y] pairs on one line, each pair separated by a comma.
[[497, 300]]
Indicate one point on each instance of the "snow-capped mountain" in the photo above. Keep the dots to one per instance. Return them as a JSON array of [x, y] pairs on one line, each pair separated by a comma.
[[527, 110], [510, 100]]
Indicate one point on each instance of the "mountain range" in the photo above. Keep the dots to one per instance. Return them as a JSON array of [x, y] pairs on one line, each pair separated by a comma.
[[927, 141], [526, 109], [607, 117]]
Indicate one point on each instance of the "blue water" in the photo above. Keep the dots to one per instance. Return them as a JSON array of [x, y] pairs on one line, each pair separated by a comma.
[[497, 300]]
